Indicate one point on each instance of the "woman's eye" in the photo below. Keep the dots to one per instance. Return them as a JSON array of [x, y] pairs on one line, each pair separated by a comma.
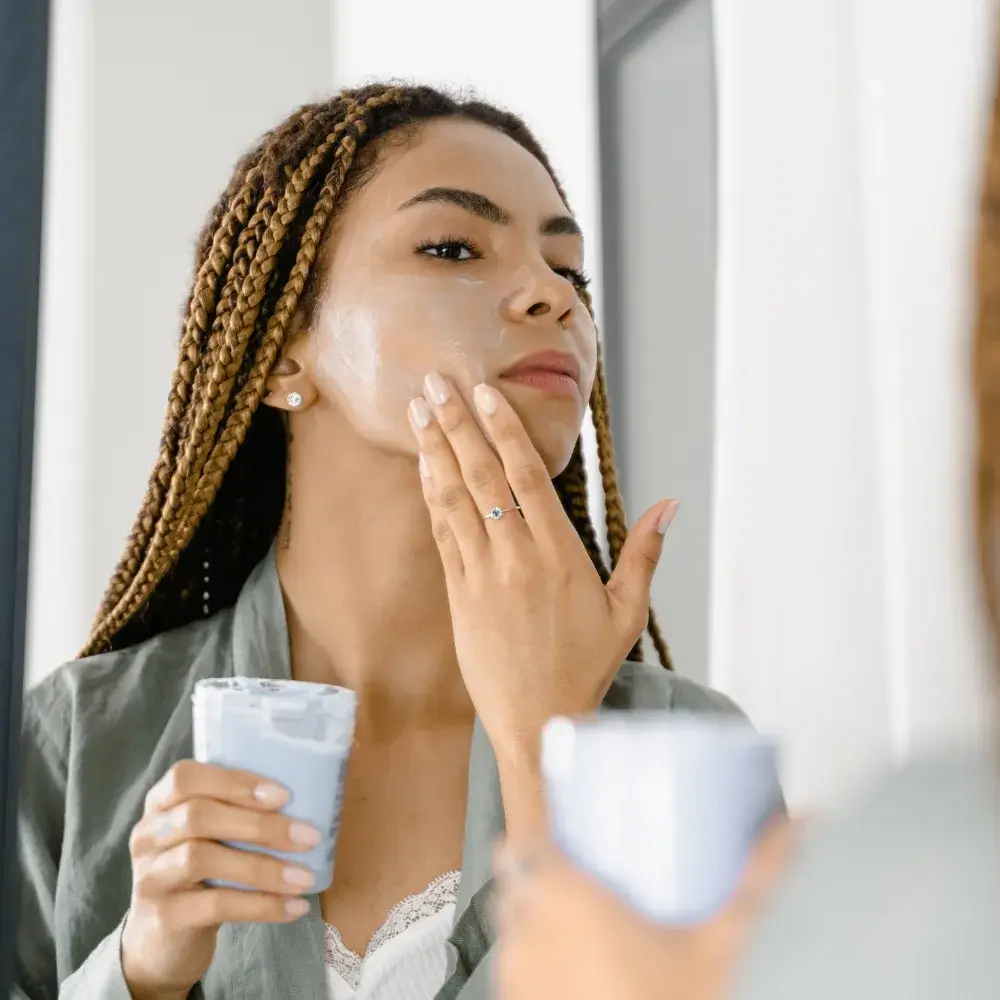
[[452, 250], [577, 278]]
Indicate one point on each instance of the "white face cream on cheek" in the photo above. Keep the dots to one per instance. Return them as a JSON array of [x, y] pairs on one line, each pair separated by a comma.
[[408, 326], [347, 353]]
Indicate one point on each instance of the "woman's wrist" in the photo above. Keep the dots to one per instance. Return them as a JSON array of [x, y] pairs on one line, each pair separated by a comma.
[[523, 793]]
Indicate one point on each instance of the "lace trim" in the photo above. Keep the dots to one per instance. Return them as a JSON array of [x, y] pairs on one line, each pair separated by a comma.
[[439, 894], [339, 957]]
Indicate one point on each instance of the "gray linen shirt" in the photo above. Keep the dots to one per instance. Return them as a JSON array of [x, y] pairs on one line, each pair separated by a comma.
[[99, 733]]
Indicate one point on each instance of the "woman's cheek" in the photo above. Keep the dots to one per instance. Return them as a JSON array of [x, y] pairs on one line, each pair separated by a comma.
[[380, 352]]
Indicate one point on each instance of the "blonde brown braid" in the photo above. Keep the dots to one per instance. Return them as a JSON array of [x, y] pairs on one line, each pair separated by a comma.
[[986, 376], [217, 490]]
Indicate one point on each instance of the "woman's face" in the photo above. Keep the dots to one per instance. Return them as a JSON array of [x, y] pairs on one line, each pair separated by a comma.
[[456, 256]]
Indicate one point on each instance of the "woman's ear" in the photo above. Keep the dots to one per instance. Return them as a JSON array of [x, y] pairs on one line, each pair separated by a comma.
[[290, 386]]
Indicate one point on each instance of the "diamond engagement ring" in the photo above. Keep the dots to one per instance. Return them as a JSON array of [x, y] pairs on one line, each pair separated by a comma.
[[498, 512]]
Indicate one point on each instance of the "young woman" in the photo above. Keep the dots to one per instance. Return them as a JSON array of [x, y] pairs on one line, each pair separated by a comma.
[[370, 476], [897, 899]]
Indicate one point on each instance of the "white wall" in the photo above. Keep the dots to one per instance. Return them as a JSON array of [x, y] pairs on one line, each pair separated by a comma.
[[845, 613]]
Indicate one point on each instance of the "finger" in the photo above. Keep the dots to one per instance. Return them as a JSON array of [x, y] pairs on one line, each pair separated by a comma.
[[207, 819], [195, 861], [536, 879], [452, 509], [517, 963], [628, 588], [444, 536], [524, 880], [214, 907], [770, 856], [523, 467], [481, 469], [763, 869], [190, 779]]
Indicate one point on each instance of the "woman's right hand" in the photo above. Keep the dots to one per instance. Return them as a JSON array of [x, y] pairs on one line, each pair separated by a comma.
[[171, 929]]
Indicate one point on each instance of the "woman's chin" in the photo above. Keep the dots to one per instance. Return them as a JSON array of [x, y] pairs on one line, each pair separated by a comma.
[[555, 447], [552, 429]]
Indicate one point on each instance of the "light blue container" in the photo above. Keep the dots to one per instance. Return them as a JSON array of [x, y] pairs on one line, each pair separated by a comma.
[[663, 807], [296, 734]]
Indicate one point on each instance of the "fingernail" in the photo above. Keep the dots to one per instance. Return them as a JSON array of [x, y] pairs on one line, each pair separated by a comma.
[[270, 795], [301, 833], [437, 389], [420, 413], [486, 399], [425, 472], [666, 518], [296, 908], [298, 876]]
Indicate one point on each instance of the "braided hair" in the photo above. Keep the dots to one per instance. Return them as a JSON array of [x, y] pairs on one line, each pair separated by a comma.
[[986, 375], [217, 492]]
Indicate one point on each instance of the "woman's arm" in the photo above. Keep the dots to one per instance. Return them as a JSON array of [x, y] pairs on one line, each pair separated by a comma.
[[41, 825]]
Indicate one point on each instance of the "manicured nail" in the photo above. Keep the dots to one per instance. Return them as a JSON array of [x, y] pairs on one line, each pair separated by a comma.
[[425, 472], [667, 516], [436, 388], [304, 835], [486, 399], [272, 796], [420, 413], [296, 908], [299, 877]]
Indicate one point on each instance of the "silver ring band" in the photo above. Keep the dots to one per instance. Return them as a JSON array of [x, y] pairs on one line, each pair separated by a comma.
[[498, 512]]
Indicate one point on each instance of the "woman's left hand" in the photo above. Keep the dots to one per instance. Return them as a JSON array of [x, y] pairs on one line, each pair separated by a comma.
[[564, 934], [537, 632]]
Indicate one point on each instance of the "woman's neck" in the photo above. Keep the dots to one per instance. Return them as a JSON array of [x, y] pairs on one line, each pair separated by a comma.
[[364, 588]]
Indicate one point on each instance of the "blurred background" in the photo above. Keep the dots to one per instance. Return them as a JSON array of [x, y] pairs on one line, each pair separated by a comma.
[[778, 198]]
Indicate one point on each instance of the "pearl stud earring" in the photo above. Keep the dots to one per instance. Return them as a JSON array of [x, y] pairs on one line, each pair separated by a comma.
[[294, 400]]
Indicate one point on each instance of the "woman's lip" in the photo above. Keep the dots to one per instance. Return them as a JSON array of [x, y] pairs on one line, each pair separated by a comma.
[[546, 380], [550, 362]]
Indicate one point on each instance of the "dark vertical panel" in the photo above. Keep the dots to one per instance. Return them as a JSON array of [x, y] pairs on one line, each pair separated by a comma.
[[23, 66]]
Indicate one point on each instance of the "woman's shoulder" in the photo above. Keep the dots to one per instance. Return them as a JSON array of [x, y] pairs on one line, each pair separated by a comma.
[[127, 689], [640, 685], [898, 896]]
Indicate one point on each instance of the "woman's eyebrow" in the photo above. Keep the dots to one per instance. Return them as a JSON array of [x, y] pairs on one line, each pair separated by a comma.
[[561, 225], [486, 208], [470, 201]]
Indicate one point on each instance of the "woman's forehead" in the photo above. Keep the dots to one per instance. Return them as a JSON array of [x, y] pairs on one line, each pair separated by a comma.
[[461, 155]]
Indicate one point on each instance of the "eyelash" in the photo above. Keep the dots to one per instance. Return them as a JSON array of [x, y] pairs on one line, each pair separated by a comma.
[[579, 279]]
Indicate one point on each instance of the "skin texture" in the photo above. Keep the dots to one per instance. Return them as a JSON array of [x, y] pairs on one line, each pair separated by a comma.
[[393, 583]]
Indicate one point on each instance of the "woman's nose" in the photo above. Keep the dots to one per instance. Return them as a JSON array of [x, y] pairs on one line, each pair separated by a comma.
[[541, 293]]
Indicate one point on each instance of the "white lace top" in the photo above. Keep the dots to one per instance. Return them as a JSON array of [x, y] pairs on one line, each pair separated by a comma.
[[406, 958]]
